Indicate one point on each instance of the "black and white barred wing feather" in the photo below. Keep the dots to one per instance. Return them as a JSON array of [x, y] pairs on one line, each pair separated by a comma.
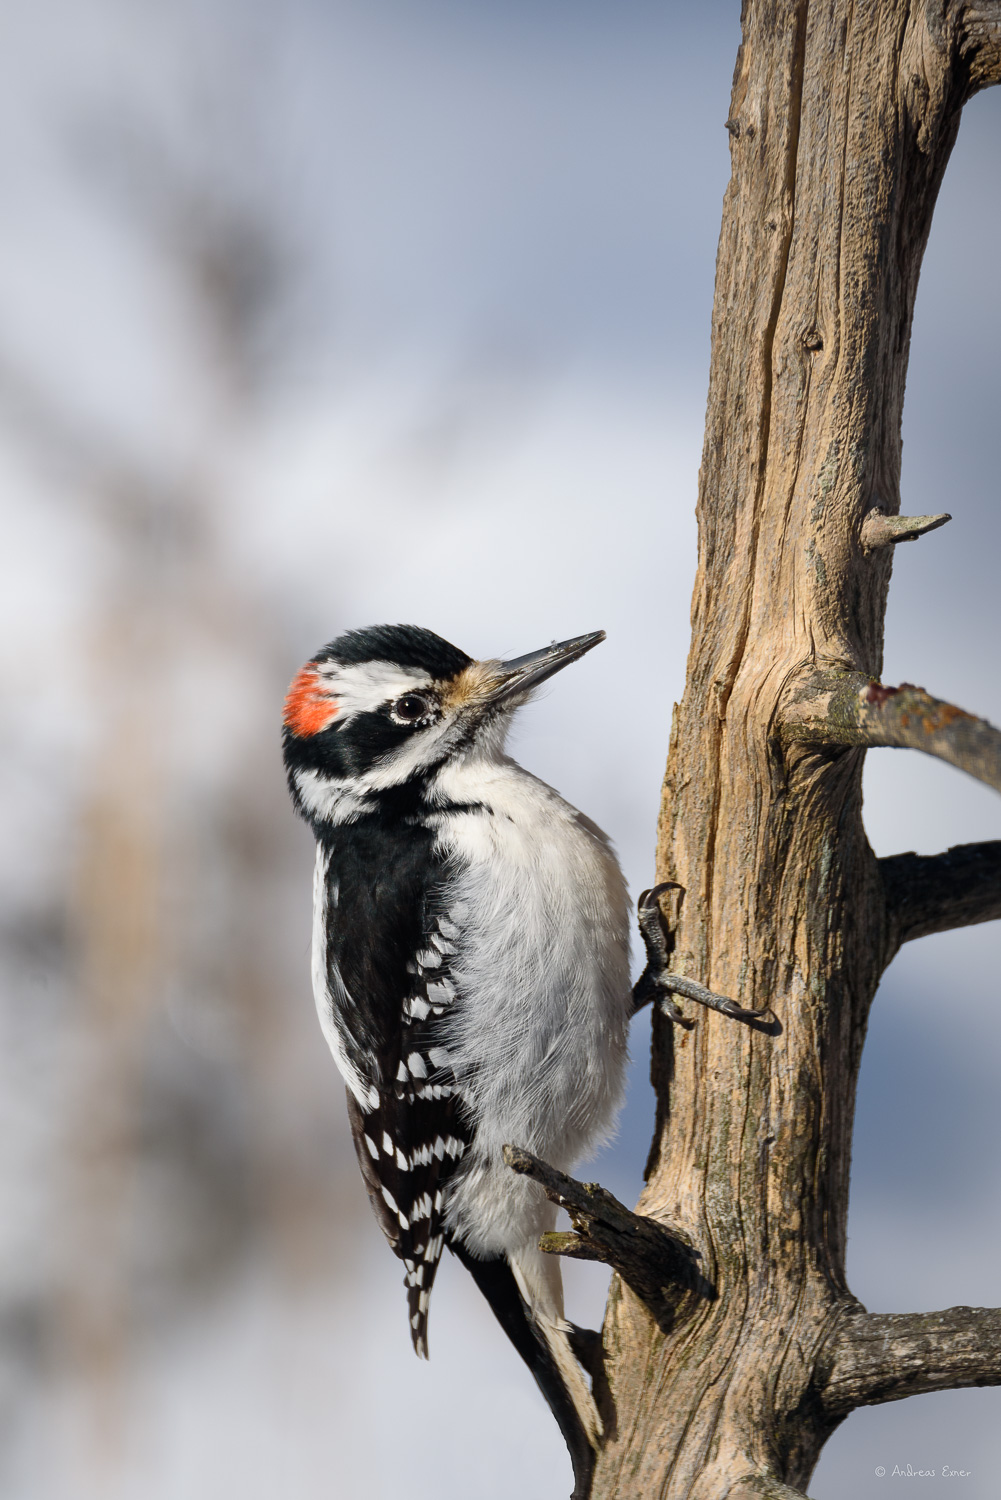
[[385, 1020]]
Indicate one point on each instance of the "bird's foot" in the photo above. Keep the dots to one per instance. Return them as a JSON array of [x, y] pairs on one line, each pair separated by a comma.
[[657, 983]]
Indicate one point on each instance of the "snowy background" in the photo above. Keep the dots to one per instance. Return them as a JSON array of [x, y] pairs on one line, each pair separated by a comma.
[[318, 313]]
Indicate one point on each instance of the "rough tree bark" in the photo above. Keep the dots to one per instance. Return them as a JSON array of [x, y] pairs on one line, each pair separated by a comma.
[[842, 119]]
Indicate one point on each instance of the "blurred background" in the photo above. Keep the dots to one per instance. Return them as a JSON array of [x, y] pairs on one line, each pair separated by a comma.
[[319, 313]]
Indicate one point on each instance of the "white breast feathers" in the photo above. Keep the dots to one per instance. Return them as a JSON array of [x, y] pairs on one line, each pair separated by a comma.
[[538, 1038]]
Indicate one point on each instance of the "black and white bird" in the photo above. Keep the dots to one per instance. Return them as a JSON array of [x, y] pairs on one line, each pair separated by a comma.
[[470, 968]]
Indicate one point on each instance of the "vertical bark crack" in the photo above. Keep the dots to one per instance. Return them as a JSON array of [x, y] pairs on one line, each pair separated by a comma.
[[724, 686]]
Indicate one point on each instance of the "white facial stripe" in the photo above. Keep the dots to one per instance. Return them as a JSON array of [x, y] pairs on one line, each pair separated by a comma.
[[330, 797], [423, 748], [366, 686]]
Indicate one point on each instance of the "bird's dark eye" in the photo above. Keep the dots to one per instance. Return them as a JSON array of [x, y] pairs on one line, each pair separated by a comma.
[[411, 707]]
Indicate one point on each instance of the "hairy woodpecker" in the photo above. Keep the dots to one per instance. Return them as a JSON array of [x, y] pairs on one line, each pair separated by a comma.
[[470, 968]]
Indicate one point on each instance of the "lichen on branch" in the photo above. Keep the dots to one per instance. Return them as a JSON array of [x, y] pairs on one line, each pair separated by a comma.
[[849, 708]]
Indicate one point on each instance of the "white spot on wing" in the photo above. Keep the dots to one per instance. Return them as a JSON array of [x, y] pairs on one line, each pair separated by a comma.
[[440, 992]]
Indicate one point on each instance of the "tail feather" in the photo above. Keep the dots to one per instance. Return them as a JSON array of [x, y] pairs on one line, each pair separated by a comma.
[[543, 1342], [557, 1337], [540, 1282]]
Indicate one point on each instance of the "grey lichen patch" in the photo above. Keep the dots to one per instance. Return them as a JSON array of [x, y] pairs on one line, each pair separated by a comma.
[[815, 560], [826, 478]]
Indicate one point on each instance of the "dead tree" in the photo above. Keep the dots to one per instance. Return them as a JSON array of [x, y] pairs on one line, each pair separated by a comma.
[[732, 1345]]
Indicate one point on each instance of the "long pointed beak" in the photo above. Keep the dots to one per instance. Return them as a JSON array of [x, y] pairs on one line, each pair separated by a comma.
[[525, 672]]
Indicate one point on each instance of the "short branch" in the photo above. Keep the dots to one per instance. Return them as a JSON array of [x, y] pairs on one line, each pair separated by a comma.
[[937, 892], [657, 1263], [886, 1356], [882, 531], [846, 708], [980, 43]]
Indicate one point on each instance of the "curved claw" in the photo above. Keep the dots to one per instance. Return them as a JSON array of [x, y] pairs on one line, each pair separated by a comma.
[[649, 898], [668, 1008]]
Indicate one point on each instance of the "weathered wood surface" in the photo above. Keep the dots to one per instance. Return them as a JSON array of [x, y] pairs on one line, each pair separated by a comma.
[[841, 123]]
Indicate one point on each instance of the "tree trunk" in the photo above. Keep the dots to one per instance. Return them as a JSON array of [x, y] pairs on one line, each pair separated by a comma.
[[842, 119]]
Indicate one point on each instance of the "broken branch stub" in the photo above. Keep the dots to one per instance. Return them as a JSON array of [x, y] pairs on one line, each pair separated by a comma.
[[657, 1263], [879, 530]]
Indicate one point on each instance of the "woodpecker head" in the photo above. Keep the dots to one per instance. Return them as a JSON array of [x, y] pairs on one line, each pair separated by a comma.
[[386, 707]]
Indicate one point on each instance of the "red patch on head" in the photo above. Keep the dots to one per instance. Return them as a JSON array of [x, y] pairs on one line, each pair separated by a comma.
[[309, 708]]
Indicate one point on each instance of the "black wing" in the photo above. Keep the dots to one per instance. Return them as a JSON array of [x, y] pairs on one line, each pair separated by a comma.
[[390, 944]]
